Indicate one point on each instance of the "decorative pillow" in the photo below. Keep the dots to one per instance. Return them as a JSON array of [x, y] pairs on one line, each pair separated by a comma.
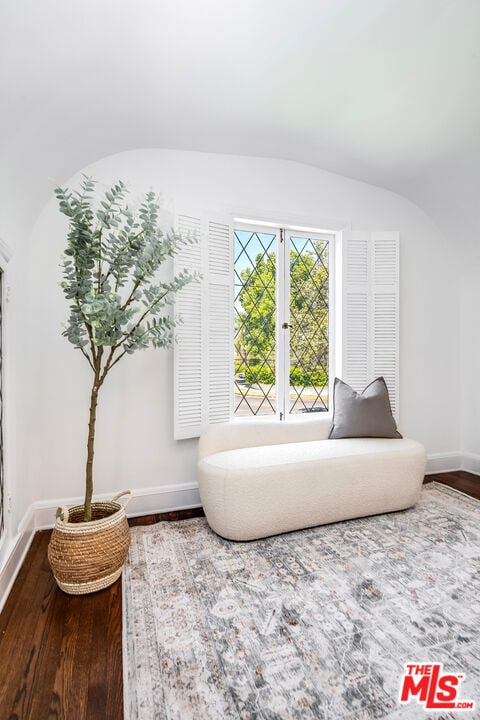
[[365, 414]]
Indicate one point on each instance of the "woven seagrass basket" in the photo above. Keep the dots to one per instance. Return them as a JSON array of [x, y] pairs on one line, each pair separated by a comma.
[[88, 556]]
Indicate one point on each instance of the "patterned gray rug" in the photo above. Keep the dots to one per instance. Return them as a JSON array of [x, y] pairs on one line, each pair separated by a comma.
[[313, 624]]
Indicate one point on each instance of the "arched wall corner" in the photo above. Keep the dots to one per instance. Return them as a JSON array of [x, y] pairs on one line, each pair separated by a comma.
[[135, 445], [135, 432]]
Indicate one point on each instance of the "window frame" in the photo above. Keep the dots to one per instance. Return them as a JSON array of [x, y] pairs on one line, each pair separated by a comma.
[[284, 232], [365, 291]]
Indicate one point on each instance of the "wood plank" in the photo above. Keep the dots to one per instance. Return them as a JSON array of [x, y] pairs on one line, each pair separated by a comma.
[[460, 480], [168, 516], [61, 655], [114, 665], [27, 619]]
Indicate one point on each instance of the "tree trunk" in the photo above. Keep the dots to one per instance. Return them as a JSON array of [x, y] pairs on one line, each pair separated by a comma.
[[90, 451]]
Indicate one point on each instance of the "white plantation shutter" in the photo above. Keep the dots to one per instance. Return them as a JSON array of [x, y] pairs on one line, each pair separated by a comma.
[[385, 248], [219, 350], [370, 318], [189, 306], [203, 367]]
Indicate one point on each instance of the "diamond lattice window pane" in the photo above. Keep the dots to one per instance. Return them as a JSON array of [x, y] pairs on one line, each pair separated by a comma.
[[309, 325], [254, 343]]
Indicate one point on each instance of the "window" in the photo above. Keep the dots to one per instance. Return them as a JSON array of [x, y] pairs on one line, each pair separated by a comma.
[[234, 358], [281, 321]]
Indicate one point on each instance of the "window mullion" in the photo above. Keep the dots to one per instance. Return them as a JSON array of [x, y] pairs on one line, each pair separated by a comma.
[[280, 319], [286, 314], [283, 319]]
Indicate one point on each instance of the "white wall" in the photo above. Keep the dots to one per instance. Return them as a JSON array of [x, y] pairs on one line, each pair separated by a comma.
[[135, 446], [18, 495], [470, 366], [450, 195]]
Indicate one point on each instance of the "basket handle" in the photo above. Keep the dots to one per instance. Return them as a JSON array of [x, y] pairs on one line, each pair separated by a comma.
[[121, 494], [62, 514]]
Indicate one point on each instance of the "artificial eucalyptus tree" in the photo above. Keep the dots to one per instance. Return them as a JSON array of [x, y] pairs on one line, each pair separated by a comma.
[[118, 303]]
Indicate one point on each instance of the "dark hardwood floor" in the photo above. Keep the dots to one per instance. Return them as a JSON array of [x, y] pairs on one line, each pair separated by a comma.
[[460, 480], [60, 655]]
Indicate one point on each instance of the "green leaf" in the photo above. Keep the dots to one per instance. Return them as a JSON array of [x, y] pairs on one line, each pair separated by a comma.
[[113, 252]]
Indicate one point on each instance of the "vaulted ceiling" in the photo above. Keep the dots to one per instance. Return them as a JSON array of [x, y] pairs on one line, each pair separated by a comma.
[[384, 91]]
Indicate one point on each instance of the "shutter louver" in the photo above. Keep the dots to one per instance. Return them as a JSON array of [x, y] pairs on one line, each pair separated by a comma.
[[385, 258], [219, 360], [357, 260], [370, 323], [385, 343], [356, 340], [385, 247], [188, 336], [203, 365]]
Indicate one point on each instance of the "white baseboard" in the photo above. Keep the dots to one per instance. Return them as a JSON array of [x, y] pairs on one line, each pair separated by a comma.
[[471, 463], [13, 554], [444, 462], [146, 501], [167, 498], [449, 462], [41, 516]]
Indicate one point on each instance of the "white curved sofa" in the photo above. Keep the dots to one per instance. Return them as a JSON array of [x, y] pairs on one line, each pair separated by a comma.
[[261, 478]]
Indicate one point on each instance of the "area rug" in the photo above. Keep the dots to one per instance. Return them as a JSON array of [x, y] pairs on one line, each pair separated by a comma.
[[315, 624]]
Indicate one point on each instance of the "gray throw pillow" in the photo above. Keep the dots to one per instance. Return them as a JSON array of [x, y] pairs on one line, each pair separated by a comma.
[[365, 414]]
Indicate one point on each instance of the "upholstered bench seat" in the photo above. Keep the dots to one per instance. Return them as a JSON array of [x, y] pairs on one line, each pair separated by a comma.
[[263, 478]]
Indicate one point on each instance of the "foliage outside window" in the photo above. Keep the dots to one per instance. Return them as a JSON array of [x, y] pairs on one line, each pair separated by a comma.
[[260, 337]]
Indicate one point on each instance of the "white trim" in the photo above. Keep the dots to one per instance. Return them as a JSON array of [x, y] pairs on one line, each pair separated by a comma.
[[5, 253], [167, 498], [471, 463], [13, 554], [41, 516], [27, 523], [334, 332], [6, 408], [289, 219], [335, 370], [295, 230], [146, 501], [444, 462]]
